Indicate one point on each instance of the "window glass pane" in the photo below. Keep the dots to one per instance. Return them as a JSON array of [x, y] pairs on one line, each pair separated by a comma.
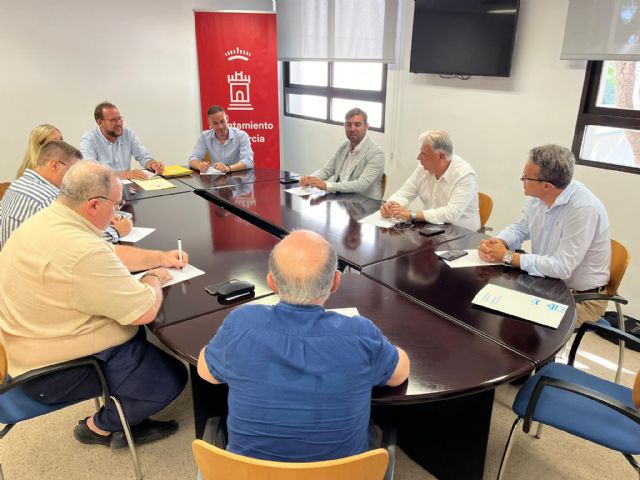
[[308, 105], [611, 145], [340, 106], [308, 73], [619, 85], [358, 76]]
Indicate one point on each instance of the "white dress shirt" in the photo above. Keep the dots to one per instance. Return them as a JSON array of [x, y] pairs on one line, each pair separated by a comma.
[[452, 198], [571, 240]]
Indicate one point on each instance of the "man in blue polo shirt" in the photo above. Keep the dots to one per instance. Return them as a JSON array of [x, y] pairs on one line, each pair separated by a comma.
[[229, 148], [299, 376]]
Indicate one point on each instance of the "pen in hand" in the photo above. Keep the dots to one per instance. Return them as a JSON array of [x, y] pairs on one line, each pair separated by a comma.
[[180, 252]]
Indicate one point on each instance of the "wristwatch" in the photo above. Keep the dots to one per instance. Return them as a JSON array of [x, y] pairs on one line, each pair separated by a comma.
[[508, 257], [413, 216]]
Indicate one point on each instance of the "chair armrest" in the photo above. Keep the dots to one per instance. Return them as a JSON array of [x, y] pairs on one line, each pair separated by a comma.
[[40, 372], [389, 438], [583, 297], [590, 326], [594, 395]]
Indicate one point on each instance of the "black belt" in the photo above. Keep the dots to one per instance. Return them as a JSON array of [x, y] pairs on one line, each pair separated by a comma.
[[591, 290]]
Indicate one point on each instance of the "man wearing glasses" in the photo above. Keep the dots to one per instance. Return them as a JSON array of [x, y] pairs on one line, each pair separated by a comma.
[[66, 294], [113, 144], [568, 227]]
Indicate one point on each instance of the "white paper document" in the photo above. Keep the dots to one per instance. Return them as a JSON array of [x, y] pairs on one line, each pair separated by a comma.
[[470, 260], [347, 312], [212, 171], [376, 219], [136, 234], [530, 307], [303, 191], [187, 273], [147, 173]]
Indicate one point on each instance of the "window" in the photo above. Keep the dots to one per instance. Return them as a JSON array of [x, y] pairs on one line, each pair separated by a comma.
[[325, 91], [608, 126]]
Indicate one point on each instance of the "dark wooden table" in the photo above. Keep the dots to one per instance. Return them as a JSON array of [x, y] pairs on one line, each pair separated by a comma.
[[424, 277], [443, 412], [334, 216], [221, 244], [197, 181]]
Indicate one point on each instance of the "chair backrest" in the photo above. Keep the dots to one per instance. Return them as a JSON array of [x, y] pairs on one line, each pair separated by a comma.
[[619, 261], [3, 188], [486, 205], [217, 464], [383, 183], [636, 391]]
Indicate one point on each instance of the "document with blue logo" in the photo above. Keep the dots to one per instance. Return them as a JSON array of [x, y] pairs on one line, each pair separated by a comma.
[[530, 307]]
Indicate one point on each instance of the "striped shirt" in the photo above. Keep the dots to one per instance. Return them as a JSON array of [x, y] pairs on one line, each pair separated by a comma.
[[27, 195]]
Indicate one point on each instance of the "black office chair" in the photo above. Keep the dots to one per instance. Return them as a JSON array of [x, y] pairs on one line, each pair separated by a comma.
[[16, 406]]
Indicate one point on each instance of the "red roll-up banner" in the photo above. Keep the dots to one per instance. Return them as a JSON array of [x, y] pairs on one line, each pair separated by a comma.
[[237, 65]]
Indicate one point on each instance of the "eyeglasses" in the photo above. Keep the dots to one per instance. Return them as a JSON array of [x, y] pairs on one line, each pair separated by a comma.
[[523, 178], [116, 205], [114, 120]]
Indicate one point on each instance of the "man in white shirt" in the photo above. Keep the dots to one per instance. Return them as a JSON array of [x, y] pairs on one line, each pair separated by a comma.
[[445, 183], [357, 166], [568, 227]]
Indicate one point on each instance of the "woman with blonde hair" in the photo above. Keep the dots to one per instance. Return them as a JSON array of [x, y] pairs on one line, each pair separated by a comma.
[[40, 135]]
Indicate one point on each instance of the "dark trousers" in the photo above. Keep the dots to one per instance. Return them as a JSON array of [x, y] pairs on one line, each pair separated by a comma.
[[144, 378]]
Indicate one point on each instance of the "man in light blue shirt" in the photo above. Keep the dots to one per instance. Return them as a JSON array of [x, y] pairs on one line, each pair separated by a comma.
[[38, 188], [229, 148], [568, 227], [113, 144]]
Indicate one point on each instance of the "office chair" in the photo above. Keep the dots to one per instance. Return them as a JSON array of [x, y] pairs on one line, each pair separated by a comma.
[[3, 188], [383, 184], [16, 406], [581, 404], [217, 464], [485, 203], [619, 261]]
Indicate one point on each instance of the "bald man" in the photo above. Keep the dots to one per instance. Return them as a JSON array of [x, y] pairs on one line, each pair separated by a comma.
[[299, 376], [66, 294]]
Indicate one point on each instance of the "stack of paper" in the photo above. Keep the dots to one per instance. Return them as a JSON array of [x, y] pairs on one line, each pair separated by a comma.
[[157, 183], [532, 308]]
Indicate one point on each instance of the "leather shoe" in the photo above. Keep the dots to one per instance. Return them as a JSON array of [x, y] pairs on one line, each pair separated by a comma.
[[148, 430], [85, 435]]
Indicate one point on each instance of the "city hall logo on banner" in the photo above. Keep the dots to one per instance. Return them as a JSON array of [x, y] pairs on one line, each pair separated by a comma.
[[239, 83]]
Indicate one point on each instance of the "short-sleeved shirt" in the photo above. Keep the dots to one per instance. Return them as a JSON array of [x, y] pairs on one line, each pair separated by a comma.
[[117, 155], [64, 293], [236, 148], [300, 380]]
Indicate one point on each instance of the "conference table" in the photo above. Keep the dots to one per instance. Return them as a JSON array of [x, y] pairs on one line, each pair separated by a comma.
[[459, 352]]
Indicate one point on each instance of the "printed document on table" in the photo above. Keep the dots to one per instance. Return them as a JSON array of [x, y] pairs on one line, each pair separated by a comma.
[[347, 312], [136, 234], [147, 173], [187, 273], [157, 183], [212, 171], [470, 260], [376, 219], [303, 191], [530, 307]]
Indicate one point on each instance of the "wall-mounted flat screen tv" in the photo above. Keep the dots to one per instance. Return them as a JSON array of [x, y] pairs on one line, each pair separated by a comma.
[[464, 37]]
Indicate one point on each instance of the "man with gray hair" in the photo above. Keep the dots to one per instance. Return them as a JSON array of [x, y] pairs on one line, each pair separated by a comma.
[[300, 376], [568, 227], [65, 294], [444, 182], [357, 166]]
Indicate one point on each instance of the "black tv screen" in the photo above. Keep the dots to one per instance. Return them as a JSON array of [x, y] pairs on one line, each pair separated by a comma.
[[464, 37]]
